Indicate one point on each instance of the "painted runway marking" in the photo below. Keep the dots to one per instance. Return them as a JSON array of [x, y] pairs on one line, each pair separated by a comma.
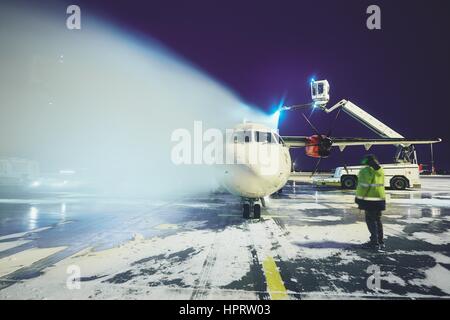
[[275, 284]]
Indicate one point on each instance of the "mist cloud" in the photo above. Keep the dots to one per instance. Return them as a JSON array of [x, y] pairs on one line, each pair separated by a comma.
[[105, 101]]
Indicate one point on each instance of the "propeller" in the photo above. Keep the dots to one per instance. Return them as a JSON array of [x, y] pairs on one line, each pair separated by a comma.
[[311, 125], [324, 142]]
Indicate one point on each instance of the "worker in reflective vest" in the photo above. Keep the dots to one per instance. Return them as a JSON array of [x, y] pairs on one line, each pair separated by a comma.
[[370, 197]]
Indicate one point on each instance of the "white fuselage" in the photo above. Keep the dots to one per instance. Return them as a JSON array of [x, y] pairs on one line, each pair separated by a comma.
[[262, 162]]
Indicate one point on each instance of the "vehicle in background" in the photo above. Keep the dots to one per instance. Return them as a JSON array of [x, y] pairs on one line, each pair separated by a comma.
[[397, 176]]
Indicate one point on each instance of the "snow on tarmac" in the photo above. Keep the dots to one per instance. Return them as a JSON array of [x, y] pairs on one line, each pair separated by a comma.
[[22, 234], [22, 259], [434, 238], [346, 233], [436, 276], [203, 264], [178, 265], [12, 244], [172, 266], [204, 250]]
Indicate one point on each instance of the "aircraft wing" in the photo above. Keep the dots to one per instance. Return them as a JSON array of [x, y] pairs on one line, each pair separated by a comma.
[[301, 141]]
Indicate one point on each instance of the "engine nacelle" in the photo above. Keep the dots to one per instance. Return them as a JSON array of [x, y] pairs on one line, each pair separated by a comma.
[[318, 146]]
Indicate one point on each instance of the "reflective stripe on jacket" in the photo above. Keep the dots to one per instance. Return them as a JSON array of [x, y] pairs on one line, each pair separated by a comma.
[[370, 184]]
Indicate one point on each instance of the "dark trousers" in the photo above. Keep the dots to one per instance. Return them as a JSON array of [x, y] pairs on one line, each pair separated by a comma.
[[373, 220]]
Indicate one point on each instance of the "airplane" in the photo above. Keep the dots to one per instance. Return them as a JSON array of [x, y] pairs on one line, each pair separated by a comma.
[[253, 179]]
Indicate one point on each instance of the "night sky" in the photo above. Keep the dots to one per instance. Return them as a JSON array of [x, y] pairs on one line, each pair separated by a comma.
[[267, 50]]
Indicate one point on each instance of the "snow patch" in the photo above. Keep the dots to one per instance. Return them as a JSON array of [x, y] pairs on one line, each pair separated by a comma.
[[12, 244], [25, 258], [23, 234], [433, 238], [438, 276]]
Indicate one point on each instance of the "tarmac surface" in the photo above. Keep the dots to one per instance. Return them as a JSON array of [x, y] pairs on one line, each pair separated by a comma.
[[306, 246]]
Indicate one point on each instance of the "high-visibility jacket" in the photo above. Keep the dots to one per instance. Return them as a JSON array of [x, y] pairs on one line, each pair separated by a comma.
[[370, 193]]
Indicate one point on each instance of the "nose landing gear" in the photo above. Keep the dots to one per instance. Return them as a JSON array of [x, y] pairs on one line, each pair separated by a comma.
[[248, 207]]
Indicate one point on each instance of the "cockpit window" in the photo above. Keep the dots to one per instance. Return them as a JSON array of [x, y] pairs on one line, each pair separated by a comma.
[[265, 137], [258, 136], [242, 136]]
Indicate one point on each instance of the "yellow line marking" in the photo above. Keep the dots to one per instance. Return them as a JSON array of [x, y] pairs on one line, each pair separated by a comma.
[[275, 284]]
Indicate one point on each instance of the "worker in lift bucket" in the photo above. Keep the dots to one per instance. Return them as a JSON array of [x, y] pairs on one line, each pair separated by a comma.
[[370, 197]]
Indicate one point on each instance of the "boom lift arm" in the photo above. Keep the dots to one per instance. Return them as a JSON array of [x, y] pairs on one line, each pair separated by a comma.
[[320, 96]]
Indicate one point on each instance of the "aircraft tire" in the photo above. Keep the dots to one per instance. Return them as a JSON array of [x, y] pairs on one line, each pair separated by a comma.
[[257, 211], [246, 211]]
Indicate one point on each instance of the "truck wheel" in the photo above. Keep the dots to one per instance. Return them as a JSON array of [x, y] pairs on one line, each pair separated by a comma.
[[348, 182], [399, 183]]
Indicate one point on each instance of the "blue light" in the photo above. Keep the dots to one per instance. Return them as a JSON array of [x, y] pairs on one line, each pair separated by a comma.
[[276, 115], [276, 118], [280, 104]]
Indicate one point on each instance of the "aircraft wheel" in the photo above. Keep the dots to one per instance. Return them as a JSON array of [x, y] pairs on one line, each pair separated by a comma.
[[246, 211], [257, 211]]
